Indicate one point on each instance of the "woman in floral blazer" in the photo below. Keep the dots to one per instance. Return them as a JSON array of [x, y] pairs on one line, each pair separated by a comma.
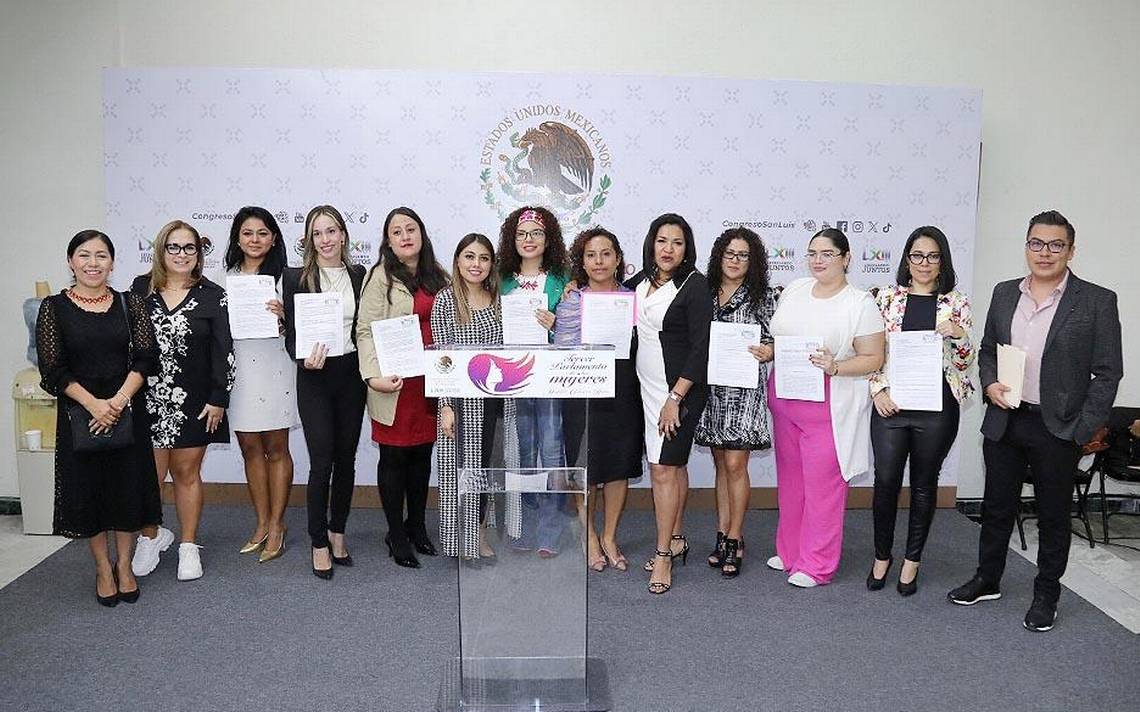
[[924, 299]]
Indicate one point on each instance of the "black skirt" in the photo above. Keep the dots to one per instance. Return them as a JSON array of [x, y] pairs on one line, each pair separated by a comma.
[[613, 433]]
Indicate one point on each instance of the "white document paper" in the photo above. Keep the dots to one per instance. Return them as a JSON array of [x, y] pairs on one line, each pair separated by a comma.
[[914, 369], [1011, 372], [796, 377], [730, 361], [318, 319], [520, 325], [399, 346], [246, 297], [607, 318]]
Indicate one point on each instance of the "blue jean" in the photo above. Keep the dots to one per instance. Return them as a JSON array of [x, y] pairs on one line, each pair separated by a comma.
[[540, 445]]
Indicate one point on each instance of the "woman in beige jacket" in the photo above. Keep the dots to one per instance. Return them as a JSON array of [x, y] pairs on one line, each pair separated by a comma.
[[403, 282]]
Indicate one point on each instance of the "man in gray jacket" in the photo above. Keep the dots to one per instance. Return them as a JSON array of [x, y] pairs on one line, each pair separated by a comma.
[[1069, 330]]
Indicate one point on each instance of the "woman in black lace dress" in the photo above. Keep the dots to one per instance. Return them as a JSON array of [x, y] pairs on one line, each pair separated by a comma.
[[95, 348], [189, 392]]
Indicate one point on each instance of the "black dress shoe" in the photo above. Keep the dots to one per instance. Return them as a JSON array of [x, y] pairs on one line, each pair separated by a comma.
[[323, 574], [908, 589], [129, 596], [400, 549], [1041, 615], [420, 540], [876, 584], [975, 590], [108, 601]]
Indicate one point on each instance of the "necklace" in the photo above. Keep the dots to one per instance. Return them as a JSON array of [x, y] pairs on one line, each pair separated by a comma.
[[89, 300]]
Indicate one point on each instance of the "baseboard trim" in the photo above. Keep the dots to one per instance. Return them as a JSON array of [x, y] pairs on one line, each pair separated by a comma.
[[639, 498]]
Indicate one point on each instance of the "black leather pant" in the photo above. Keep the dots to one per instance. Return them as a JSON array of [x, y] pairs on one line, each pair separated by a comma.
[[925, 437]]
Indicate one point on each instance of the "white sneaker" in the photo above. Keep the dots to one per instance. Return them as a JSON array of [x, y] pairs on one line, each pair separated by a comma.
[[802, 580], [147, 551], [775, 563], [189, 562]]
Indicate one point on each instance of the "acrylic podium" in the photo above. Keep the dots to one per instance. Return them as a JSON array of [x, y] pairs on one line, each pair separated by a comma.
[[522, 576]]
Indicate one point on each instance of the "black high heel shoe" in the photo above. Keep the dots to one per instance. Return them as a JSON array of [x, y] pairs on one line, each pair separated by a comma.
[[907, 589], [731, 559], [420, 540], [716, 558], [401, 553], [108, 601], [127, 596], [659, 587], [683, 554], [876, 584], [324, 574]]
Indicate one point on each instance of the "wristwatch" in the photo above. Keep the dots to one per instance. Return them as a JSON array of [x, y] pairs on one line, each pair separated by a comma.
[[676, 397]]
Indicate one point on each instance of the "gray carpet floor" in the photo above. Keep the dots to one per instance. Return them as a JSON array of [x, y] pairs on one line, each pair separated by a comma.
[[377, 637]]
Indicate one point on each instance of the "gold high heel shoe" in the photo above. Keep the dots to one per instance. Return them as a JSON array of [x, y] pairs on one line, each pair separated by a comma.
[[267, 555], [252, 546]]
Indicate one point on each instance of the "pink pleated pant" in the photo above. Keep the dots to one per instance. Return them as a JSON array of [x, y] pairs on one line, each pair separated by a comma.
[[811, 491]]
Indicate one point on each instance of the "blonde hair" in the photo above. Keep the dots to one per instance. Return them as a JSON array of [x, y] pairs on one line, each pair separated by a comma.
[[310, 272], [158, 275], [459, 284]]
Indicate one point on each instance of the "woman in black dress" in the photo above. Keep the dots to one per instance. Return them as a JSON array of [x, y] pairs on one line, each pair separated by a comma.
[[673, 315], [188, 394], [330, 393], [95, 348], [612, 426], [735, 421]]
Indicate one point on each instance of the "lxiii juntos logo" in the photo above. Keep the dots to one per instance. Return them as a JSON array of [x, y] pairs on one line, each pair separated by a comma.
[[545, 154]]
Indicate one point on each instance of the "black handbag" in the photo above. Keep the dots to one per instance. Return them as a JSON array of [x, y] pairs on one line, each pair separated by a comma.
[[121, 434]]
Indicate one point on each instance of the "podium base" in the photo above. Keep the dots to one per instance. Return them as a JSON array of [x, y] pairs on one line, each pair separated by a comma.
[[531, 695]]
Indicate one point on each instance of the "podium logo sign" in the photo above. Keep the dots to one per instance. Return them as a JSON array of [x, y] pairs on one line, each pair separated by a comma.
[[520, 373], [498, 376]]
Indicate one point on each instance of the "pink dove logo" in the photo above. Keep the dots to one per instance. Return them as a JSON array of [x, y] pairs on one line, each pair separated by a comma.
[[498, 376]]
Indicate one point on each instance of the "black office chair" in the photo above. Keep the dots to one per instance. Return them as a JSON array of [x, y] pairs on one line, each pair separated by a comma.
[[1120, 461], [1082, 481]]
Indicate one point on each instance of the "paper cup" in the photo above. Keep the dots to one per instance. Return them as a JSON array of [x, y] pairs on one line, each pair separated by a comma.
[[33, 439]]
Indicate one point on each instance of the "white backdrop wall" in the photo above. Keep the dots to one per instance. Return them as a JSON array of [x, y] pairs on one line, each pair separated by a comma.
[[1058, 126], [465, 149]]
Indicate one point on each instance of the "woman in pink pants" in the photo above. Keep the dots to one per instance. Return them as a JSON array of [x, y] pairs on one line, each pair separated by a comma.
[[821, 446]]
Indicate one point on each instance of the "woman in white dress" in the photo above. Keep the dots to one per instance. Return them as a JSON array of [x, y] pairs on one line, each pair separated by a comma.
[[673, 316], [263, 402]]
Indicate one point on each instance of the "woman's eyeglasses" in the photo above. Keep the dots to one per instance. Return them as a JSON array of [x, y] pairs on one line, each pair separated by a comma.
[[188, 249]]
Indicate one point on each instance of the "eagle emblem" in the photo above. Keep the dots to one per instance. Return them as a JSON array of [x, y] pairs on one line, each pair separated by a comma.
[[553, 165]]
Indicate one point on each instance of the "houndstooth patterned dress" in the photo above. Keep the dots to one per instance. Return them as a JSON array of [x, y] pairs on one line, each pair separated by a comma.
[[737, 418], [484, 327]]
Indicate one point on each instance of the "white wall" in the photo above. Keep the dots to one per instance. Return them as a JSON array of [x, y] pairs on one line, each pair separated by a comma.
[[1060, 86]]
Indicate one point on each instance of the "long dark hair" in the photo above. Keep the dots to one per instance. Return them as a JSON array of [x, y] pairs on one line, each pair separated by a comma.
[[553, 255], [578, 255], [755, 277], [688, 262], [275, 260], [947, 278], [459, 286], [429, 275]]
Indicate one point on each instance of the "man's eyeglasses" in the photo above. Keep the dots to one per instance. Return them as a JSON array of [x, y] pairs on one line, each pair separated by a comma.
[[188, 249], [917, 258], [734, 256], [1055, 246]]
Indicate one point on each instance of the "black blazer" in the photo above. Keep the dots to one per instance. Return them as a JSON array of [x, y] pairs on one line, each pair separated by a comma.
[[1081, 366], [685, 329], [291, 285]]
